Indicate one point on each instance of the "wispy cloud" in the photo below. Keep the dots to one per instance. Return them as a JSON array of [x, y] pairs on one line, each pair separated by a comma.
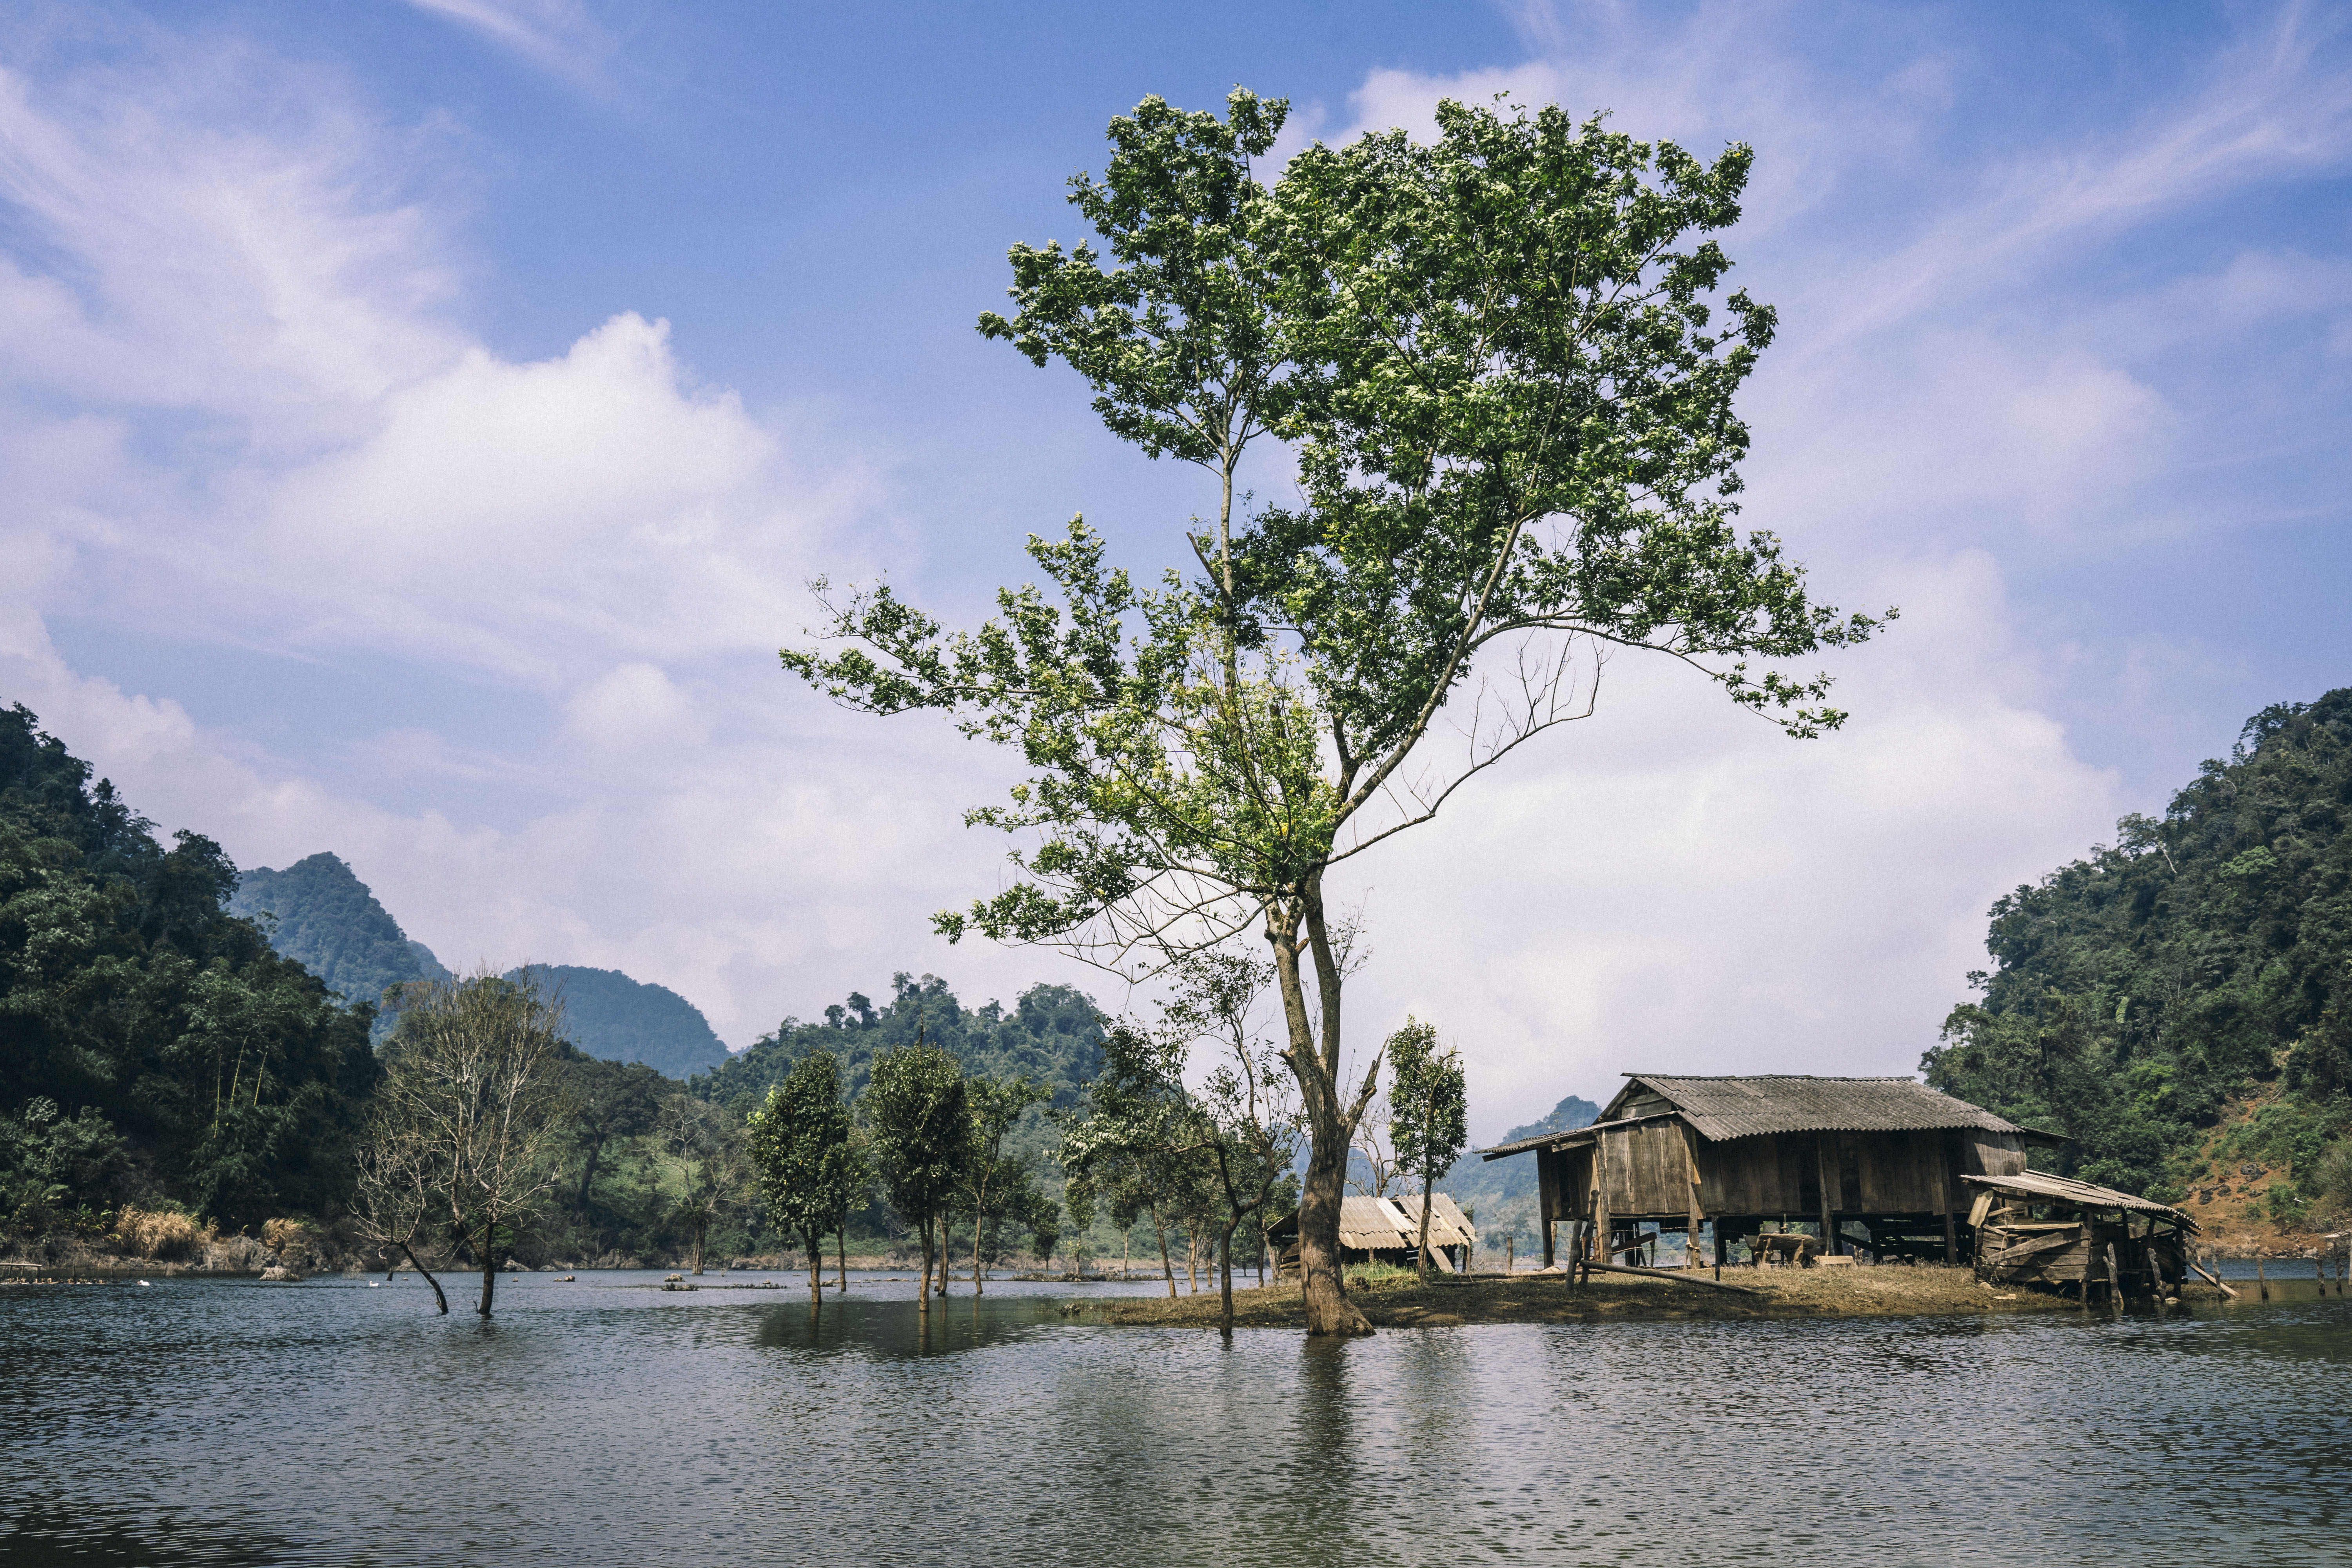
[[558, 35]]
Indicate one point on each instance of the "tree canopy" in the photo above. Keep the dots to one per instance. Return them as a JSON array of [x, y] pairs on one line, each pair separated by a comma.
[[1503, 365]]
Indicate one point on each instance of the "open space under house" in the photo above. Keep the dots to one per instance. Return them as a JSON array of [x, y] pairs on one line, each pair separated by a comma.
[[1802, 1165]]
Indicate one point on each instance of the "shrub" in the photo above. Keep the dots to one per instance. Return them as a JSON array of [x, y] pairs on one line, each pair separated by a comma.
[[165, 1233]]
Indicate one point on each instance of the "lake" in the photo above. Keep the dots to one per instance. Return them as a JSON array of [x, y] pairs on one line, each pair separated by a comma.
[[606, 1420]]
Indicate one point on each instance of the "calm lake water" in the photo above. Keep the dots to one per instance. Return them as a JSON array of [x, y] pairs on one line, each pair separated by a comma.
[[607, 1421]]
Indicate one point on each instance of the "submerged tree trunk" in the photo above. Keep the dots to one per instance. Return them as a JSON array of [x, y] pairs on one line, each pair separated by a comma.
[[1225, 1271], [1166, 1267], [438, 1299], [923, 1299], [817, 1267], [975, 1258], [841, 1240], [490, 1265]]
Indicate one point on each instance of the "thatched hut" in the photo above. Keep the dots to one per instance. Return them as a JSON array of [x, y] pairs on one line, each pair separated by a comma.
[[1873, 1161], [1389, 1229]]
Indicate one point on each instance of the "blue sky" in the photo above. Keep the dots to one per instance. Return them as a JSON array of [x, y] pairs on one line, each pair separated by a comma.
[[419, 420]]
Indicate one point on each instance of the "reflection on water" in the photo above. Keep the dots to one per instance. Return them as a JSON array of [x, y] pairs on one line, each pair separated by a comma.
[[607, 1421]]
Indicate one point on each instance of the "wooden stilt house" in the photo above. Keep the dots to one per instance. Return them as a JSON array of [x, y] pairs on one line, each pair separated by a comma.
[[1875, 1162]]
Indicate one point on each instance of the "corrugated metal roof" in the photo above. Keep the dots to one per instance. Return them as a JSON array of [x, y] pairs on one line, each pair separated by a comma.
[[1723, 1108], [1387, 1224], [2041, 1183], [1719, 1109]]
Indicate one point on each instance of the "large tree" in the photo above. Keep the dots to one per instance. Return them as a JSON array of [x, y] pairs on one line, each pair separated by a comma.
[[1503, 363]]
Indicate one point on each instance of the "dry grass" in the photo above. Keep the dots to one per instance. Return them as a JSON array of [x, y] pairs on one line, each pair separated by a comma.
[[285, 1237], [160, 1233], [1780, 1293]]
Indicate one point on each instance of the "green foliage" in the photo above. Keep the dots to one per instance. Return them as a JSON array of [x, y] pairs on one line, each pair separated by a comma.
[[1506, 366], [1052, 1036], [608, 1015], [801, 1144], [915, 1106], [1429, 1117], [133, 1003], [2201, 957]]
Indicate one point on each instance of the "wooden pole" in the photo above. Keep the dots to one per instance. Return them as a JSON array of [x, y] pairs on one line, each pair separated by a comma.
[[1827, 1177], [2115, 1277], [1600, 1197], [1547, 1184], [1510, 1242]]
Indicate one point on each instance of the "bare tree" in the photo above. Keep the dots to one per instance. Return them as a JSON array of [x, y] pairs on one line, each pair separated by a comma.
[[467, 1113], [1371, 1146], [402, 1202]]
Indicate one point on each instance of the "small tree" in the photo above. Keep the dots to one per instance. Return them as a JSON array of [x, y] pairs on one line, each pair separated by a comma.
[[702, 1143], [1428, 1113], [799, 1142], [915, 1104], [1216, 1156], [468, 1106], [996, 1185]]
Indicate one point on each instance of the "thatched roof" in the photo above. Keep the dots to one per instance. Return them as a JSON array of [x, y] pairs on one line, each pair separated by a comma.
[[1719, 1109]]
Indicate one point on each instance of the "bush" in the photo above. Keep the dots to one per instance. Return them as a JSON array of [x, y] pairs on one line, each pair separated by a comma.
[[164, 1234]]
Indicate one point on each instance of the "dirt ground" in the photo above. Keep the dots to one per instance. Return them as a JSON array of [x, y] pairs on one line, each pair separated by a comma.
[[1864, 1291]]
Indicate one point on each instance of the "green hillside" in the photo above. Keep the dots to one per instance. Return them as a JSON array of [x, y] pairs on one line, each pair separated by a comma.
[[2201, 961], [318, 913], [608, 1015], [151, 1045]]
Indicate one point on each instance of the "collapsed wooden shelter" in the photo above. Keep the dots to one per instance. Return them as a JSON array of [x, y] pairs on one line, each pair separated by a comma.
[[2030, 1227], [1389, 1229], [1878, 1161]]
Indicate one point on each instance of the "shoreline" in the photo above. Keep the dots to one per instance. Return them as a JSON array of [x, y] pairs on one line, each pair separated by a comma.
[[1777, 1294]]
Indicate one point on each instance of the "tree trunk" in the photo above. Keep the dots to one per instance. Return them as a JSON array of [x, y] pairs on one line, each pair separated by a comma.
[[817, 1267], [1422, 1255], [438, 1299], [975, 1257], [1328, 1310], [1225, 1271], [490, 1264], [1165, 1267], [924, 1299], [1314, 1063], [841, 1240]]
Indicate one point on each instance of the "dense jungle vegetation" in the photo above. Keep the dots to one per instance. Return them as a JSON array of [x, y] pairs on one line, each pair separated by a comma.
[[2196, 972]]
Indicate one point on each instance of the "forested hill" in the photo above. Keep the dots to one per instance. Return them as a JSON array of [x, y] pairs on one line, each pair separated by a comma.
[[2204, 957], [1053, 1034], [608, 1015], [325, 919], [152, 1044]]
